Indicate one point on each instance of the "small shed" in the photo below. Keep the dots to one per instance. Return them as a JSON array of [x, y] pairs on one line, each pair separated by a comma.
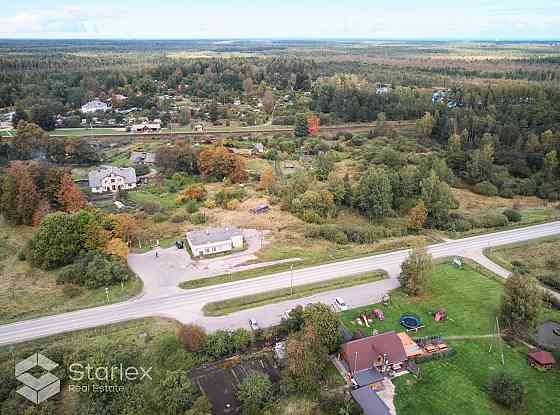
[[541, 359], [260, 208]]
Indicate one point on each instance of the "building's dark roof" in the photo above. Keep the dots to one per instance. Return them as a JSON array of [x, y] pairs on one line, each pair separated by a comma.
[[367, 377], [369, 401], [211, 235], [361, 353], [542, 357]]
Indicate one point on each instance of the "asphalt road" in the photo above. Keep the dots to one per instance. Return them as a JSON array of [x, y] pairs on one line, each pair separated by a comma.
[[186, 306]]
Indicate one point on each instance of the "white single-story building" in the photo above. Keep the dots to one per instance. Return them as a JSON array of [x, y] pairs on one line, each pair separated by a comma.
[[112, 179], [146, 127], [214, 240], [95, 105]]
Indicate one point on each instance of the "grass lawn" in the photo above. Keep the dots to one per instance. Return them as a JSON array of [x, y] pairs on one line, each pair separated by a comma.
[[221, 308], [456, 385], [165, 200], [471, 301]]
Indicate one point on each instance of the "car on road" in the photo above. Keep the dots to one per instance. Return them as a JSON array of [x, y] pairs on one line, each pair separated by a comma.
[[253, 324], [340, 304]]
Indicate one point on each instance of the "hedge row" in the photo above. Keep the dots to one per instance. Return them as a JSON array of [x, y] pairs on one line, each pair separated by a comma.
[[358, 234]]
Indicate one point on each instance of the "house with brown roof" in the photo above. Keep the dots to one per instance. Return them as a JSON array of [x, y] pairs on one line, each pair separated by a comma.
[[541, 359], [383, 352]]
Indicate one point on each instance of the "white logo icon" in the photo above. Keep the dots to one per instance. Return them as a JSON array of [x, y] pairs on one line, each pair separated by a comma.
[[37, 389]]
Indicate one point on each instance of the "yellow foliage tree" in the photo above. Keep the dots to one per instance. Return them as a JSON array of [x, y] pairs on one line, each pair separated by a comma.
[[117, 246], [268, 180], [417, 216]]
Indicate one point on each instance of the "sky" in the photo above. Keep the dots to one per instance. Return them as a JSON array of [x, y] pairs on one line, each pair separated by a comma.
[[370, 19]]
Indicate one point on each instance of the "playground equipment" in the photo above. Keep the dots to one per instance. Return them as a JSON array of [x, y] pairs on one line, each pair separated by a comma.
[[386, 299], [379, 314], [410, 321]]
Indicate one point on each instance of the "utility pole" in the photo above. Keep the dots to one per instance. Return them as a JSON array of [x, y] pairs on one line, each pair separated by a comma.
[[291, 280]]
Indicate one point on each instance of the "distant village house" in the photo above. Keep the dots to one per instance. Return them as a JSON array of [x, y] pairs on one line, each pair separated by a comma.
[[94, 106], [112, 179]]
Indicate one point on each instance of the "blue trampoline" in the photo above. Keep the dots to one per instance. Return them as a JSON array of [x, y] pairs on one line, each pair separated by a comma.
[[410, 321]]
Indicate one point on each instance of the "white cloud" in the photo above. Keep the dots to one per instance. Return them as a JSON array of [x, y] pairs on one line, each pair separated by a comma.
[[70, 19]]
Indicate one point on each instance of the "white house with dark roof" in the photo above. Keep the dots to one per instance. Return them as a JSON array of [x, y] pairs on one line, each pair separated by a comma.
[[94, 106], [112, 179], [214, 241]]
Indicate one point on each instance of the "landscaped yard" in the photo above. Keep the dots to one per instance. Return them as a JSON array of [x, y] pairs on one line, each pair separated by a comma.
[[456, 385]]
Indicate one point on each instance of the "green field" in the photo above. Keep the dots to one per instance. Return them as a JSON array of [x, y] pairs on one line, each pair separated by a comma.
[[456, 385]]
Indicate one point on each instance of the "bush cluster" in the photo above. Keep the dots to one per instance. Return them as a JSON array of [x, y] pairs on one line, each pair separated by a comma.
[[506, 390], [550, 280], [95, 269], [358, 234]]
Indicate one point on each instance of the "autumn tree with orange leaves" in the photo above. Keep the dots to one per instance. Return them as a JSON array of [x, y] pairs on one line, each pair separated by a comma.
[[116, 246], [218, 163], [19, 196], [70, 196]]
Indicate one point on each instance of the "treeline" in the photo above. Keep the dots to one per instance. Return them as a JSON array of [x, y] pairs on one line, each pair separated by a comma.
[[32, 143], [354, 103], [503, 140]]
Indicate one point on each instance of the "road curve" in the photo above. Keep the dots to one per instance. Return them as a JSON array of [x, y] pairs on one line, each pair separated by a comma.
[[186, 305]]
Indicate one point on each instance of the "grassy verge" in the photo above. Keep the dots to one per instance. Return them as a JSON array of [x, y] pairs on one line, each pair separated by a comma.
[[221, 308], [534, 253], [285, 252], [44, 298]]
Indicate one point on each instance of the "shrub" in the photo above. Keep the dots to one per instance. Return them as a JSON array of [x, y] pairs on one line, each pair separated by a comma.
[[160, 217], [71, 291], [520, 267], [192, 337], [512, 215], [486, 188], [178, 218], [550, 280], [210, 204], [491, 220], [198, 218], [141, 169], [506, 390], [150, 207], [191, 206], [240, 339], [233, 204], [95, 269], [254, 392], [195, 192]]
